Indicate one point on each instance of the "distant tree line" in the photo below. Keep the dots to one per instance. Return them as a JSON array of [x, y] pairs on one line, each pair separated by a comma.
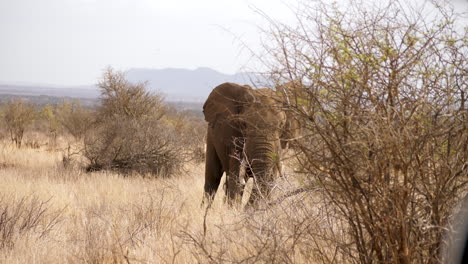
[[129, 130]]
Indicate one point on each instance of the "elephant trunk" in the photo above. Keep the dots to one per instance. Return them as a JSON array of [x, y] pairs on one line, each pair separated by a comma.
[[261, 157]]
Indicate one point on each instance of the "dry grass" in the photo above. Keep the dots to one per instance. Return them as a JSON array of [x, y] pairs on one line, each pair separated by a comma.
[[106, 218]]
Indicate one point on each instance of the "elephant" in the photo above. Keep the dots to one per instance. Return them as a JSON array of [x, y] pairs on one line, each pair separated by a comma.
[[248, 131]]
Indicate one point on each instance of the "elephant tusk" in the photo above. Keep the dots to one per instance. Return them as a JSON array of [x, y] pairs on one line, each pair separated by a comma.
[[242, 173], [247, 193], [241, 180]]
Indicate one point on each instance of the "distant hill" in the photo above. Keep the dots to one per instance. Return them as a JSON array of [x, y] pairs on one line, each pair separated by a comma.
[[189, 85], [178, 85]]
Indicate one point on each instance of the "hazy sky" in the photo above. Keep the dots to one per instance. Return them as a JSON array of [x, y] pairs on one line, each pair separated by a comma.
[[71, 41]]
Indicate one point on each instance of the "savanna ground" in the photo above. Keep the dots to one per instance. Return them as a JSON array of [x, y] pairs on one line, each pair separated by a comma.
[[381, 99], [53, 214]]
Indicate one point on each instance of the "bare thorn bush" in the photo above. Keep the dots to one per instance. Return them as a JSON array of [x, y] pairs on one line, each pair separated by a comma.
[[381, 95]]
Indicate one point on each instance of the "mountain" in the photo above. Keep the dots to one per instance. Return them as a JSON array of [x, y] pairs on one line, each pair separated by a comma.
[[189, 85], [175, 84]]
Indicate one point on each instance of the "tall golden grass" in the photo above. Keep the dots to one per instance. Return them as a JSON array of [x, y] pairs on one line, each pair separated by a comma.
[[53, 214]]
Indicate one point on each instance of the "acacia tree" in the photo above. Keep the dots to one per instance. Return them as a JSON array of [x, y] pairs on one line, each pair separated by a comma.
[[381, 95], [18, 115]]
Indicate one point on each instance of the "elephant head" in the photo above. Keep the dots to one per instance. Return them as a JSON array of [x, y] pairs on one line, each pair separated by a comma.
[[246, 126]]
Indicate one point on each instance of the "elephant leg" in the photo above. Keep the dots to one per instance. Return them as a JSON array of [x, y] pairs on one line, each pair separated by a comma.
[[234, 187], [213, 172]]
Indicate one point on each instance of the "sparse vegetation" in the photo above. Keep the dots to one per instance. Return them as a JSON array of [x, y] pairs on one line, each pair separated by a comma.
[[74, 118], [24, 218], [17, 116], [380, 167], [103, 217], [52, 126], [191, 131]]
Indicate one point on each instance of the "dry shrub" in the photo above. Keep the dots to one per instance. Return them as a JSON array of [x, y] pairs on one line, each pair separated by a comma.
[[191, 130], [17, 116], [72, 116], [129, 145], [3, 131], [129, 134], [381, 95], [32, 144], [72, 162], [48, 124], [26, 217]]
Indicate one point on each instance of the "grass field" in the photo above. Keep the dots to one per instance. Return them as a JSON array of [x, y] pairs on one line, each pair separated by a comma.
[[52, 214]]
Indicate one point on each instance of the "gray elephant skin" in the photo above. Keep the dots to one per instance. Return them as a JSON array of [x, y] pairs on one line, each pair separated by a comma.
[[245, 126]]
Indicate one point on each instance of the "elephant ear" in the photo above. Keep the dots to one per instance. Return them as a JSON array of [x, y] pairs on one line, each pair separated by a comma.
[[226, 101]]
